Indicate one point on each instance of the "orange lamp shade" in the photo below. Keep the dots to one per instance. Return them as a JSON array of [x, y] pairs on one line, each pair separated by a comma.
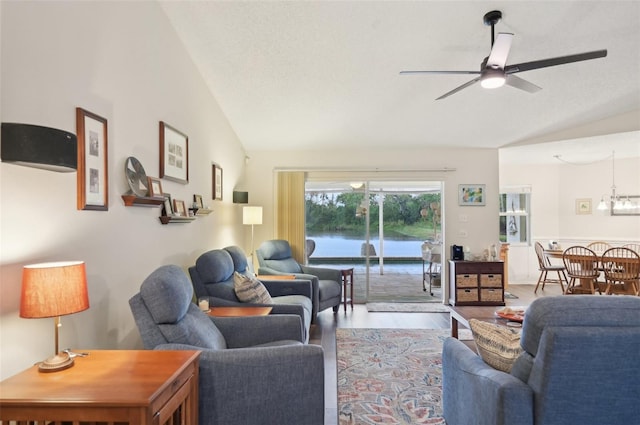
[[53, 289]]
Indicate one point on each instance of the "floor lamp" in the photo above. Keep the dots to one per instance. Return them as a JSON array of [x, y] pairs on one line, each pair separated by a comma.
[[252, 216]]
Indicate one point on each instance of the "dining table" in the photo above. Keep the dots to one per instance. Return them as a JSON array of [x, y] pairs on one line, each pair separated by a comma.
[[557, 253], [554, 253], [605, 286]]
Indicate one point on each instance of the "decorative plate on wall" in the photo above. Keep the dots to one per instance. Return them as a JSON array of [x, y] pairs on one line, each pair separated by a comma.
[[136, 177]]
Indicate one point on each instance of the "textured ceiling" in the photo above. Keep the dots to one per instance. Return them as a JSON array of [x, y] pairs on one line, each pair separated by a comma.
[[322, 75]]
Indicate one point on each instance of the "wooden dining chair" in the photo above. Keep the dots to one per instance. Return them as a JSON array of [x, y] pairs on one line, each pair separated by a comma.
[[545, 266], [582, 265], [633, 246], [599, 246], [621, 271]]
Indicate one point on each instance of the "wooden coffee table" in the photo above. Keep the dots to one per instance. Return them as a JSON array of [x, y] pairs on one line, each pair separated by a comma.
[[462, 314], [239, 311]]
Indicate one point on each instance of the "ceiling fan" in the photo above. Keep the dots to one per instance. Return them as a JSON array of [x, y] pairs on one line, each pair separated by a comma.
[[494, 72]]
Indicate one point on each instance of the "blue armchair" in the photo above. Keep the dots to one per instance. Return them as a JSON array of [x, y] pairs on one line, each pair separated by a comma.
[[580, 365], [275, 257], [253, 370], [212, 277]]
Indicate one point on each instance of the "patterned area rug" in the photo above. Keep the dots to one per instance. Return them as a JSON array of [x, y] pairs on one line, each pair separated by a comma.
[[390, 376], [408, 307]]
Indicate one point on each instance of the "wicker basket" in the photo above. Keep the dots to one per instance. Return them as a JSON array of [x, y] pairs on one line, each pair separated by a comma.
[[491, 295], [491, 280], [467, 280], [467, 295]]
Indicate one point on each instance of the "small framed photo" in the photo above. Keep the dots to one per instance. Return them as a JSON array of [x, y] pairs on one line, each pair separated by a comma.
[[472, 194], [583, 206], [216, 172], [179, 208], [197, 200], [93, 173], [174, 154], [155, 187], [167, 206]]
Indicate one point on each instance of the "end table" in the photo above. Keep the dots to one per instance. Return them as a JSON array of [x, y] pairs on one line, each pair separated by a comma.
[[347, 279], [134, 387], [239, 311]]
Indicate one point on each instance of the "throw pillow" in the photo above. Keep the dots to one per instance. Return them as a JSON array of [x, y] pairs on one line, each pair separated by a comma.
[[498, 346], [250, 290]]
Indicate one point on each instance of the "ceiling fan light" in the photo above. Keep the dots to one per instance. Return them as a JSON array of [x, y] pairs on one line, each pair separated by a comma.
[[492, 82], [492, 79]]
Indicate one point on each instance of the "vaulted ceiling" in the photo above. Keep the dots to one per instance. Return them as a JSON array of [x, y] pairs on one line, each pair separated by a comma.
[[325, 74]]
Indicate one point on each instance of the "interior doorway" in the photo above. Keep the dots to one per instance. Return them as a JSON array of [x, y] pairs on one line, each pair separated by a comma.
[[378, 228]]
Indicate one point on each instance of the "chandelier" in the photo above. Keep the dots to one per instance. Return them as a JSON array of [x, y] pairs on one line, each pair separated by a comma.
[[617, 201]]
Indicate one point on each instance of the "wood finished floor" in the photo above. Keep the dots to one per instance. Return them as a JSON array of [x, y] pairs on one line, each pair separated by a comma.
[[324, 332]]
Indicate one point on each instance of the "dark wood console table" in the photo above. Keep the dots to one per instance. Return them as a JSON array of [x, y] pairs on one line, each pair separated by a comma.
[[476, 283]]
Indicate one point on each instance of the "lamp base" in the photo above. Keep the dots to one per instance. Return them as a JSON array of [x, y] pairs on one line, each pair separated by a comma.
[[56, 363]]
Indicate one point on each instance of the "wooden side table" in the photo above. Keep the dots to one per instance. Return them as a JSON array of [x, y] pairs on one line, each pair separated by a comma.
[[347, 279], [239, 311], [275, 277], [135, 387]]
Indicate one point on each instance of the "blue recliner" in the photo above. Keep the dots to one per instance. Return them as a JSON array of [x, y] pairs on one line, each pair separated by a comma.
[[212, 277], [580, 365], [252, 370], [275, 257]]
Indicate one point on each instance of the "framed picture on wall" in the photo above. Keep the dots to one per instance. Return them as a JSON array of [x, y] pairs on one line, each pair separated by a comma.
[[583, 206], [93, 174], [471, 194], [174, 154], [216, 173]]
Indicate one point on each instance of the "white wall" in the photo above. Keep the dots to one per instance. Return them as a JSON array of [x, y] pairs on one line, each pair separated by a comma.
[[554, 190], [122, 61], [477, 166]]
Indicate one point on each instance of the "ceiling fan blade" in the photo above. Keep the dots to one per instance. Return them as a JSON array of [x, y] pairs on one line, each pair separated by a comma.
[[438, 72], [561, 60], [457, 89], [500, 50], [521, 84]]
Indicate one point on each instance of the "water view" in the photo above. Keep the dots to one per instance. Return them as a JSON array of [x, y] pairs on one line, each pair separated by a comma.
[[345, 246]]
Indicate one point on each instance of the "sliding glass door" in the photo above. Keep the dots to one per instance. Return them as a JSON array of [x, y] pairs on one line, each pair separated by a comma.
[[378, 228]]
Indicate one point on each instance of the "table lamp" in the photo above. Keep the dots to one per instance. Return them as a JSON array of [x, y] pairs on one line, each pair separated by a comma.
[[252, 216], [54, 290]]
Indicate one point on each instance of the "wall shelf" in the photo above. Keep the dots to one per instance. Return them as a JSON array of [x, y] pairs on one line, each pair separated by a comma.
[[138, 201], [200, 211], [165, 219]]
